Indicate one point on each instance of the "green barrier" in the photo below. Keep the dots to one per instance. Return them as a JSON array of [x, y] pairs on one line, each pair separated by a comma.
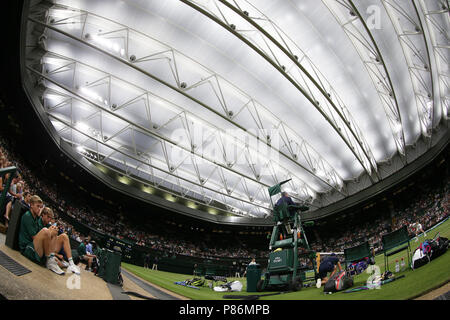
[[102, 263], [253, 277], [112, 267]]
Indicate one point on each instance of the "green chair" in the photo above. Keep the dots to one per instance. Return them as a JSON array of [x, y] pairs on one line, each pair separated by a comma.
[[280, 212], [283, 269], [395, 242], [357, 253]]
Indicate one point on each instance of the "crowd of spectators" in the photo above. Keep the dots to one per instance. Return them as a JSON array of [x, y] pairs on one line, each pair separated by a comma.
[[427, 205], [29, 185], [103, 223], [429, 208]]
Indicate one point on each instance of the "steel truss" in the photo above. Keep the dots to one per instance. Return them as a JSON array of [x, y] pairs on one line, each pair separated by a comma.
[[351, 21], [436, 29], [314, 162], [232, 179], [294, 147], [268, 40], [408, 26]]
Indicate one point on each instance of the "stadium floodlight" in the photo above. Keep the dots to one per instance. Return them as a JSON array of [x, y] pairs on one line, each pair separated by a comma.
[[108, 44], [81, 149], [82, 126]]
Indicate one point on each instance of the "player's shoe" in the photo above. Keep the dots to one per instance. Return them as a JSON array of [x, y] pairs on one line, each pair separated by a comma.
[[65, 264], [318, 283], [74, 269], [53, 266]]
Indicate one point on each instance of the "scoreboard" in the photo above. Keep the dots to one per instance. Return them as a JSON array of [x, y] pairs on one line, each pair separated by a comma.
[[127, 248]]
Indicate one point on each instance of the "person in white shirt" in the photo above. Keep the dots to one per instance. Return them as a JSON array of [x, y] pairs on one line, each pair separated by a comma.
[[417, 229]]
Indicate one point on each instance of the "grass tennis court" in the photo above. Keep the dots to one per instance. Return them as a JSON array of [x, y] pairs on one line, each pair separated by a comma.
[[415, 283]]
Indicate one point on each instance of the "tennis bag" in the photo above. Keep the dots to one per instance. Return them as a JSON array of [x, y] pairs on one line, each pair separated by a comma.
[[429, 250], [198, 282], [360, 266], [229, 286], [438, 247], [339, 281]]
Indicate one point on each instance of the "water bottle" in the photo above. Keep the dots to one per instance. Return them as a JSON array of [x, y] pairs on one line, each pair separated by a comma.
[[402, 265], [397, 266]]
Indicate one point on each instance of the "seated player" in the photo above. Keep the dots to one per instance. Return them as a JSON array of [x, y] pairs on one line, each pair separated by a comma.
[[60, 244], [329, 264], [36, 243]]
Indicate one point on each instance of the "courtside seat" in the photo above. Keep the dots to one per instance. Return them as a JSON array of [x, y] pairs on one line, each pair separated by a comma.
[[391, 243], [12, 235], [357, 253], [281, 212]]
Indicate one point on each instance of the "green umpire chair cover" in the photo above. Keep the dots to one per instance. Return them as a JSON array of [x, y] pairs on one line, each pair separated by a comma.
[[273, 190], [281, 212]]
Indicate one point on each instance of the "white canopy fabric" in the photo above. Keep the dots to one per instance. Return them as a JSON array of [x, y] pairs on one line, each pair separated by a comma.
[[218, 100]]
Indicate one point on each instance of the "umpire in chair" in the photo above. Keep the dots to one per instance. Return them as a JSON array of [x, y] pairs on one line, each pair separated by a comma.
[[292, 207]]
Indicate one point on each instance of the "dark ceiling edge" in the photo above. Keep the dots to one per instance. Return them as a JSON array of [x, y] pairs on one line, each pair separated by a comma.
[[346, 203]]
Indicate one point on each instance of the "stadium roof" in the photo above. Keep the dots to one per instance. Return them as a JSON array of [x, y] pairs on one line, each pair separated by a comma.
[[212, 102]]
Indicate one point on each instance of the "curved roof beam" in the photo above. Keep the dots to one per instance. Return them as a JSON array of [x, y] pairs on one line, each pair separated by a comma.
[[102, 159], [135, 155], [338, 118], [105, 79], [294, 145], [438, 43], [409, 30], [372, 59]]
